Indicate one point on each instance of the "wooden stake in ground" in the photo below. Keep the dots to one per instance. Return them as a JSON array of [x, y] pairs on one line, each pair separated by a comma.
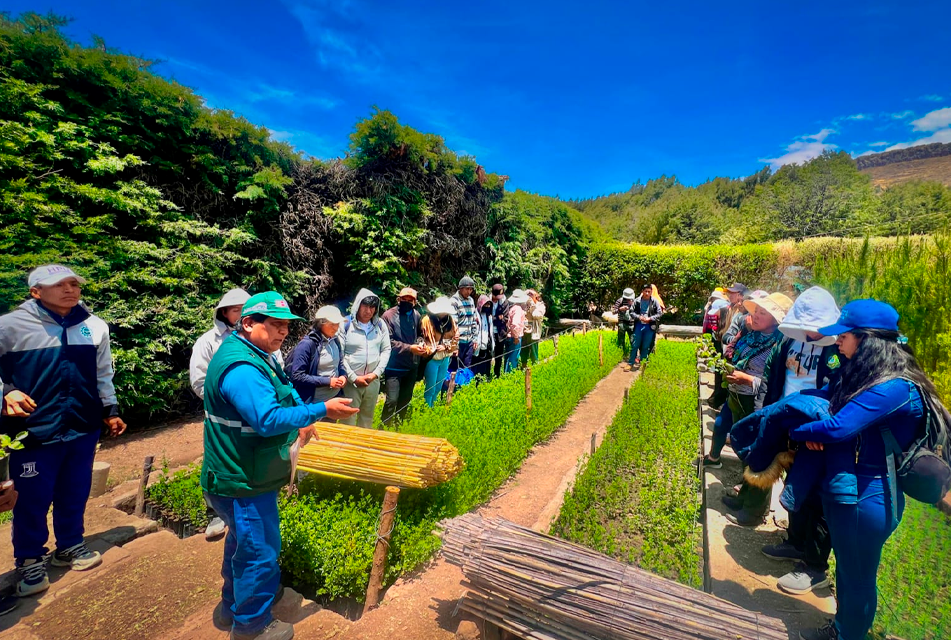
[[452, 387], [143, 484], [594, 443], [387, 514], [600, 348], [528, 389], [555, 339], [584, 329]]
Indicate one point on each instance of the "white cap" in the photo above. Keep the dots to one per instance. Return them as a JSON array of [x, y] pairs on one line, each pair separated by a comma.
[[329, 313], [518, 297], [234, 298], [440, 306], [51, 274]]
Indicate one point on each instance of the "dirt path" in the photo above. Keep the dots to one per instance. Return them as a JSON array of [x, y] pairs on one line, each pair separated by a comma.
[[738, 571], [178, 443], [422, 606]]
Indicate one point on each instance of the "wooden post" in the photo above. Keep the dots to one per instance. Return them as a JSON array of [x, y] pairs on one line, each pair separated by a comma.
[[528, 389], [387, 514], [626, 390], [584, 328], [600, 348], [452, 387], [594, 442], [556, 344], [143, 484]]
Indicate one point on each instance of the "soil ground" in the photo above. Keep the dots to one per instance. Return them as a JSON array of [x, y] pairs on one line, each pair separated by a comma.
[[177, 443]]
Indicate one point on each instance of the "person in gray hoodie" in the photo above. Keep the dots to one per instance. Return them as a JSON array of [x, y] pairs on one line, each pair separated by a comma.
[[366, 352]]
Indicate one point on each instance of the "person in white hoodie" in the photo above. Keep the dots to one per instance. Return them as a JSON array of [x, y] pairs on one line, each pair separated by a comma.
[[366, 352], [227, 315]]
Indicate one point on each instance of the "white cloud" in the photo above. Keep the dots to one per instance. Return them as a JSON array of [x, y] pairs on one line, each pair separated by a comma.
[[934, 120], [940, 136], [878, 144], [804, 148], [931, 97], [859, 116], [901, 115]]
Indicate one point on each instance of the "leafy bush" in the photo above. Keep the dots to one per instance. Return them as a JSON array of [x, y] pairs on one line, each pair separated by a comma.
[[180, 494], [489, 426], [636, 498]]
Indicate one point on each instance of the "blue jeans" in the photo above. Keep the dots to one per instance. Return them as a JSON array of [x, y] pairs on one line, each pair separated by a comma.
[[250, 570], [641, 342], [859, 532], [513, 349], [434, 374], [58, 474]]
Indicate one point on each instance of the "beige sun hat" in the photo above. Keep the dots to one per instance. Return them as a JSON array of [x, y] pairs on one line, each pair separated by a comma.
[[776, 304], [329, 313], [440, 306]]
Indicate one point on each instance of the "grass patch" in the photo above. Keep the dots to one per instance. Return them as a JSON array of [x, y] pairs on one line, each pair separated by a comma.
[[914, 579], [636, 499]]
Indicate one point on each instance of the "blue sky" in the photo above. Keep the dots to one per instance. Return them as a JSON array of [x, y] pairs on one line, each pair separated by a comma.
[[573, 99]]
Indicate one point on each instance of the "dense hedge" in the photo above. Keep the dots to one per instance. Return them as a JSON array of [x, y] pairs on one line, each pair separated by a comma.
[[637, 497], [685, 275]]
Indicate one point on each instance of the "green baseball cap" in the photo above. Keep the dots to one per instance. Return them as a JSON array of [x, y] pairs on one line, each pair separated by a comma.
[[269, 303]]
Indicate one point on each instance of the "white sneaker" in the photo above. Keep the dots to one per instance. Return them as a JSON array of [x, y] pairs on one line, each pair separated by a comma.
[[215, 529], [76, 557]]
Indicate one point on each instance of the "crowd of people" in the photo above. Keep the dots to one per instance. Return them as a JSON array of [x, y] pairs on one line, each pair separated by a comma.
[[826, 396], [829, 397]]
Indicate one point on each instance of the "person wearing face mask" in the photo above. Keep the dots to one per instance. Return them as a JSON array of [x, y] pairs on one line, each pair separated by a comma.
[[399, 377], [316, 363], [482, 360], [439, 332]]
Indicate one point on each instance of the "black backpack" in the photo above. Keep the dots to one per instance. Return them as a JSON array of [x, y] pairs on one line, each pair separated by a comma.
[[923, 471]]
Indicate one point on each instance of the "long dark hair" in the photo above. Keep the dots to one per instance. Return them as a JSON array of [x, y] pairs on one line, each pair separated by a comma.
[[878, 358]]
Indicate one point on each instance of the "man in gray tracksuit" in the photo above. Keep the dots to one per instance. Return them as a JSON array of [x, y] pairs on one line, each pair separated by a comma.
[[366, 351]]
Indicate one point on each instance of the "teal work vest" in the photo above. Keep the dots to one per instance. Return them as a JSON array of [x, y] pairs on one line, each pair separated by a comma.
[[238, 462]]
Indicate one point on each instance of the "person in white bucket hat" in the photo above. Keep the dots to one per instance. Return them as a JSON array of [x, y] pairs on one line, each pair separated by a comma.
[[439, 334]]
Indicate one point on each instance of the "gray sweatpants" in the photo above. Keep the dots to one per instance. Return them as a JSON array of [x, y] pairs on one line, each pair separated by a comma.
[[364, 399]]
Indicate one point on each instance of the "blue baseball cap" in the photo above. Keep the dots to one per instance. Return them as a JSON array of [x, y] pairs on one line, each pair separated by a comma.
[[864, 314]]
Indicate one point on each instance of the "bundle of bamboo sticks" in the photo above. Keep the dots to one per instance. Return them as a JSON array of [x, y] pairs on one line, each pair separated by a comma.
[[383, 457], [542, 588]]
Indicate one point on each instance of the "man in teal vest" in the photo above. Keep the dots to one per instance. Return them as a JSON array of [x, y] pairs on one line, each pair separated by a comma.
[[252, 417]]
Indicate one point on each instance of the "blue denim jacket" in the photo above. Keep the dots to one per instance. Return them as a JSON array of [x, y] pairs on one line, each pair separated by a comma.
[[853, 438]]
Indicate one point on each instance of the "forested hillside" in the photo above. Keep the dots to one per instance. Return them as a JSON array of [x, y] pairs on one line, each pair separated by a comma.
[[825, 196], [163, 204]]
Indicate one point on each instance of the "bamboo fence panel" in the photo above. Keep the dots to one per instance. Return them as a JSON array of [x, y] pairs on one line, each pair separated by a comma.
[[542, 588], [382, 457]]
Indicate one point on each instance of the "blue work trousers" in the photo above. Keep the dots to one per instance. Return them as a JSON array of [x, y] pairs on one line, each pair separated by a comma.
[[859, 532], [434, 374], [58, 474], [251, 574], [641, 342]]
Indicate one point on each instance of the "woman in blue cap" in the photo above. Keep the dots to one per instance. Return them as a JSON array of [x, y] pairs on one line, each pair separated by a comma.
[[877, 389]]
